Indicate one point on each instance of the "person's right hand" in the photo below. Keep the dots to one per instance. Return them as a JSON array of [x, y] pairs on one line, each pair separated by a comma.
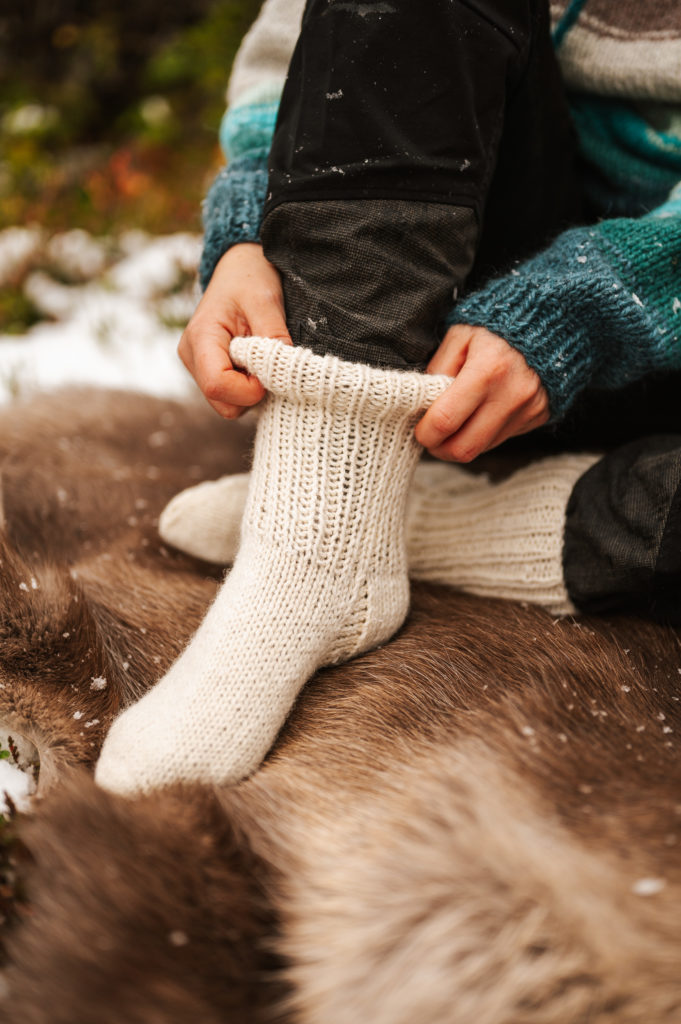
[[244, 297]]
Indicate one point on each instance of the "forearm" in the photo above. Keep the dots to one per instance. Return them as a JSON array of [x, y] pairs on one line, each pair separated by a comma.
[[598, 308]]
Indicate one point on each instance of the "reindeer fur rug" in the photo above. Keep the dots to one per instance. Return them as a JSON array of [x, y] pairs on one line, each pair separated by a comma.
[[478, 823]]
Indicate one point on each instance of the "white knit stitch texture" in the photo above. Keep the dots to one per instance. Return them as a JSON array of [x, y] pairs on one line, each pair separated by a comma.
[[205, 520], [493, 539], [321, 574]]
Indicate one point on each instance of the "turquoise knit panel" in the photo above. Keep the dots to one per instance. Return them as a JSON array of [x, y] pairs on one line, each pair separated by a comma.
[[648, 260], [631, 164], [232, 210], [247, 130]]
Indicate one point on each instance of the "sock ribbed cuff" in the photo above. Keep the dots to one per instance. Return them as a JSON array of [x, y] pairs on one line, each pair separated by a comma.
[[294, 371]]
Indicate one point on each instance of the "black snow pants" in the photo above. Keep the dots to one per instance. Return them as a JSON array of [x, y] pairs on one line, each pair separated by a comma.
[[420, 148]]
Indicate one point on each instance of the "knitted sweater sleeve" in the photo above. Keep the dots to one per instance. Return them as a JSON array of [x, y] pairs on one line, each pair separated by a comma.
[[232, 210], [601, 307]]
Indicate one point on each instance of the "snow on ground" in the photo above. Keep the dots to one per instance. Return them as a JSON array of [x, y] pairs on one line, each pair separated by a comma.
[[116, 323], [18, 766], [115, 310]]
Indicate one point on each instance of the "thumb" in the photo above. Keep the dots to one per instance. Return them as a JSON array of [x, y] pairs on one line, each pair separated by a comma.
[[266, 319]]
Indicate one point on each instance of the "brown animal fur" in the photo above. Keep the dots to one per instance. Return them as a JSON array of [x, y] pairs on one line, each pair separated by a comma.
[[451, 828]]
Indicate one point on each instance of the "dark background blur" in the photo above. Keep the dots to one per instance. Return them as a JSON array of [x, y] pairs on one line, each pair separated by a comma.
[[109, 109]]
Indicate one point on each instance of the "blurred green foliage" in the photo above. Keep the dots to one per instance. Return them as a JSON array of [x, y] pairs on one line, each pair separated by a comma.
[[110, 109]]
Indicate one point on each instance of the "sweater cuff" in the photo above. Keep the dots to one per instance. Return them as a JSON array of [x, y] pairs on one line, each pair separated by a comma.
[[232, 211], [531, 317], [572, 317]]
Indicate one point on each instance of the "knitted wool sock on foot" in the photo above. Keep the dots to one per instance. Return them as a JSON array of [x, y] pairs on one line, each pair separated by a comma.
[[321, 573], [205, 520], [494, 539]]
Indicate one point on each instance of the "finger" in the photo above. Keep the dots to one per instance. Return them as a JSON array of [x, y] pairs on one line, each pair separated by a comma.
[[518, 426], [476, 434], [228, 412], [217, 378], [451, 410], [488, 427], [451, 353]]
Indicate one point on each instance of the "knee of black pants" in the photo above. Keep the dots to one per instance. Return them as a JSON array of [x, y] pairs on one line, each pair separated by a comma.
[[439, 108]]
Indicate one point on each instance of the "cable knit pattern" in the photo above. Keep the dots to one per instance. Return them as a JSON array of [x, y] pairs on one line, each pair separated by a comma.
[[321, 574]]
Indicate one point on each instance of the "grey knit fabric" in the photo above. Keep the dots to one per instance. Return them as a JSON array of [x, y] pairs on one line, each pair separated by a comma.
[[370, 280]]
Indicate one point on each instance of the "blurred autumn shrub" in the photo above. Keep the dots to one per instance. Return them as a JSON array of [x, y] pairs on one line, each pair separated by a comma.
[[109, 109]]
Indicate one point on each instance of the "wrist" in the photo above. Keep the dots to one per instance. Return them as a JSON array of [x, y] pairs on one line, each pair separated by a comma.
[[232, 212]]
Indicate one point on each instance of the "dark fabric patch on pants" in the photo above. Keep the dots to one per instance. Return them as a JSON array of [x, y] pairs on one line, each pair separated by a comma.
[[370, 280], [622, 547]]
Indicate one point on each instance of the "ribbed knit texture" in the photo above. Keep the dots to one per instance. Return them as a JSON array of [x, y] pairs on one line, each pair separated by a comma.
[[601, 307], [495, 539], [321, 573]]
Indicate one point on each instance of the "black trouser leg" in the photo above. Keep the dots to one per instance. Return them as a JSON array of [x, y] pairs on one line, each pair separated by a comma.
[[622, 550], [410, 138]]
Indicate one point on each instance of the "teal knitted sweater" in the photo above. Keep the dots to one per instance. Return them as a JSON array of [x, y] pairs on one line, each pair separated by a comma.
[[601, 307], [232, 210]]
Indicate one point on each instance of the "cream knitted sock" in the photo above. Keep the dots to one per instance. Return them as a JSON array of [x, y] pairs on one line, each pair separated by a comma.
[[321, 573], [495, 539], [205, 520], [498, 540]]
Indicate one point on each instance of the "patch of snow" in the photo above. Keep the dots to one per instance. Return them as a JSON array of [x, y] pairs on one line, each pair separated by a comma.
[[648, 886], [118, 329], [17, 247], [77, 254], [17, 784]]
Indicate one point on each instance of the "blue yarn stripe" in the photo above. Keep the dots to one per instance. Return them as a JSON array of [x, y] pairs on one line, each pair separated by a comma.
[[573, 11]]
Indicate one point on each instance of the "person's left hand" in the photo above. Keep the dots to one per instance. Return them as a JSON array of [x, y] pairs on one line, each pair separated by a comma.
[[495, 396]]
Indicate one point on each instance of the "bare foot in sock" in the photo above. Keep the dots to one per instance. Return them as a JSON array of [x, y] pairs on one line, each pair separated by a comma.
[[321, 573]]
